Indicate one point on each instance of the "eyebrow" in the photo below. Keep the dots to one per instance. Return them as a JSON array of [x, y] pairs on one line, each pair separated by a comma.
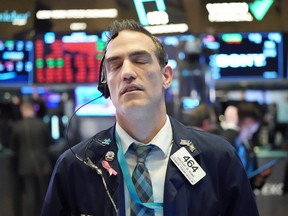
[[131, 55]]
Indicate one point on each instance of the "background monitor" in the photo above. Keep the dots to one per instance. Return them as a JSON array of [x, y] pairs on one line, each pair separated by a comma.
[[99, 107], [68, 58], [248, 56], [16, 62]]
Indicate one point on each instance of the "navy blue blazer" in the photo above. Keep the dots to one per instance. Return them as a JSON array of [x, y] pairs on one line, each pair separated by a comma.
[[76, 189]]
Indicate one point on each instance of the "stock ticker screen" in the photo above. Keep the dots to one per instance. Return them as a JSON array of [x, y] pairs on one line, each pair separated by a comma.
[[68, 58], [248, 56], [16, 62]]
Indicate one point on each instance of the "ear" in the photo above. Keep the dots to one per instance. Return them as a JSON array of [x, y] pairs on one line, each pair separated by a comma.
[[167, 73]]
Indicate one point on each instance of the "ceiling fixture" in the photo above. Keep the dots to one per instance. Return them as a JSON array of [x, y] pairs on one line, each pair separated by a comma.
[[157, 22], [169, 28], [229, 12], [77, 14], [78, 26]]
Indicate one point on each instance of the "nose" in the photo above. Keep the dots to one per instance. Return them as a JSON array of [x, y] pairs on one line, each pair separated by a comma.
[[128, 71]]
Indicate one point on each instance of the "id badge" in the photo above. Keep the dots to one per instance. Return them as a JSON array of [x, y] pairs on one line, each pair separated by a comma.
[[188, 165]]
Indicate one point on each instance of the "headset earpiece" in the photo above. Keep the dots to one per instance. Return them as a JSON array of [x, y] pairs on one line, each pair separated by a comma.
[[102, 83], [166, 59]]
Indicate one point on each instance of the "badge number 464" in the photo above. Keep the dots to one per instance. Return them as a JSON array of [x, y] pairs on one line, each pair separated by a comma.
[[188, 165]]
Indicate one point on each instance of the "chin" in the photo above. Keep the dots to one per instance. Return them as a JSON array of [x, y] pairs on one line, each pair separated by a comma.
[[135, 106]]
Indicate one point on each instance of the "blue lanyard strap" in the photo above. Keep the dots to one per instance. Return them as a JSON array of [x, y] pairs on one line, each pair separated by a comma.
[[128, 179]]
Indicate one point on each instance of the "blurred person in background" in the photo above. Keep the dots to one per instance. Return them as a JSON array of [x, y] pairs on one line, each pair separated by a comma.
[[5, 126], [30, 139], [229, 125], [203, 117], [240, 125]]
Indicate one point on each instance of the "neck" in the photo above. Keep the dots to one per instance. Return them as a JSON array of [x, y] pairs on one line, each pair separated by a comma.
[[143, 128]]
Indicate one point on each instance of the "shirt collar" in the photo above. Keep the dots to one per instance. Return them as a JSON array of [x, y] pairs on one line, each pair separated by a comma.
[[162, 140]]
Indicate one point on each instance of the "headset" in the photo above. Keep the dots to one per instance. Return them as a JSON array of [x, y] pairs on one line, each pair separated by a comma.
[[102, 85]]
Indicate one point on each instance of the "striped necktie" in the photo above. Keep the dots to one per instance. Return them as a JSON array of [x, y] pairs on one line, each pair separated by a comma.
[[142, 182]]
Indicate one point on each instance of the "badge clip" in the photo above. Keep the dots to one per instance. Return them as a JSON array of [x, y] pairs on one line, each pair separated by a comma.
[[189, 144]]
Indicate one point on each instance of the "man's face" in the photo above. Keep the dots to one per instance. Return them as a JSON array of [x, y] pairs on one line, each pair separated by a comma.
[[248, 127], [134, 76]]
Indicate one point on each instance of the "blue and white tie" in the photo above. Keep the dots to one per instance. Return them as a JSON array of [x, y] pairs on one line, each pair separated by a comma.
[[142, 181]]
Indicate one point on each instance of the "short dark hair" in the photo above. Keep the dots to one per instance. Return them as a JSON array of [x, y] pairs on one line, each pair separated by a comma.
[[198, 115], [128, 24], [249, 110]]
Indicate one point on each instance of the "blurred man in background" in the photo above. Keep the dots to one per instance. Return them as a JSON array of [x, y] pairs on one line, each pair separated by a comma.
[[30, 139], [240, 125], [203, 117]]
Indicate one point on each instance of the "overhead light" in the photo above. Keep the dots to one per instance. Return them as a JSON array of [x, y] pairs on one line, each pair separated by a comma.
[[157, 18], [169, 28], [142, 13], [229, 12], [19, 22], [157, 22], [77, 14], [78, 26]]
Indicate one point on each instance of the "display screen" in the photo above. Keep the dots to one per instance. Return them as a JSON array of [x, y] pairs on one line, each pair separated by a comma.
[[99, 107], [248, 56], [16, 62], [68, 58], [178, 47]]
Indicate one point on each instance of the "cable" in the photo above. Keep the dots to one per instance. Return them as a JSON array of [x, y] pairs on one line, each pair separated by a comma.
[[69, 123], [86, 160]]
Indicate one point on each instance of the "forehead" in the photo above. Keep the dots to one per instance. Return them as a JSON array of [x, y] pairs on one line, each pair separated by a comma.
[[249, 120], [129, 41]]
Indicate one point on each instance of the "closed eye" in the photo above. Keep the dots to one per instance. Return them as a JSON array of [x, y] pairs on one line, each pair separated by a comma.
[[113, 64], [114, 67], [141, 61], [141, 58]]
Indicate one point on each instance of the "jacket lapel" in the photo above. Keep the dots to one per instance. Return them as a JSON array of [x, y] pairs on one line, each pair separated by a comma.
[[104, 145], [173, 181], [174, 178]]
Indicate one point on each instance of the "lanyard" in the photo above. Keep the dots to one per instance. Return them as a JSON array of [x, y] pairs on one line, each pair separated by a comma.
[[128, 179]]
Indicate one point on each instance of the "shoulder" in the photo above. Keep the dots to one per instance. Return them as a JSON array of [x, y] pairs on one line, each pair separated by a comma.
[[212, 144], [18, 126], [204, 141], [93, 147]]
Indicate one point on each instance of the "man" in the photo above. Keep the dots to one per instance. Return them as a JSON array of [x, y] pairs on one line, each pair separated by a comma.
[[202, 117], [229, 126], [137, 75], [242, 122], [30, 139]]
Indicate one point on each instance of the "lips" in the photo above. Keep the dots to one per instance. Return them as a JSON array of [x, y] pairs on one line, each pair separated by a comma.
[[130, 88]]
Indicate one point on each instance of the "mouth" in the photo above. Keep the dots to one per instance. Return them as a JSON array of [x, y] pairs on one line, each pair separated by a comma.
[[130, 89]]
